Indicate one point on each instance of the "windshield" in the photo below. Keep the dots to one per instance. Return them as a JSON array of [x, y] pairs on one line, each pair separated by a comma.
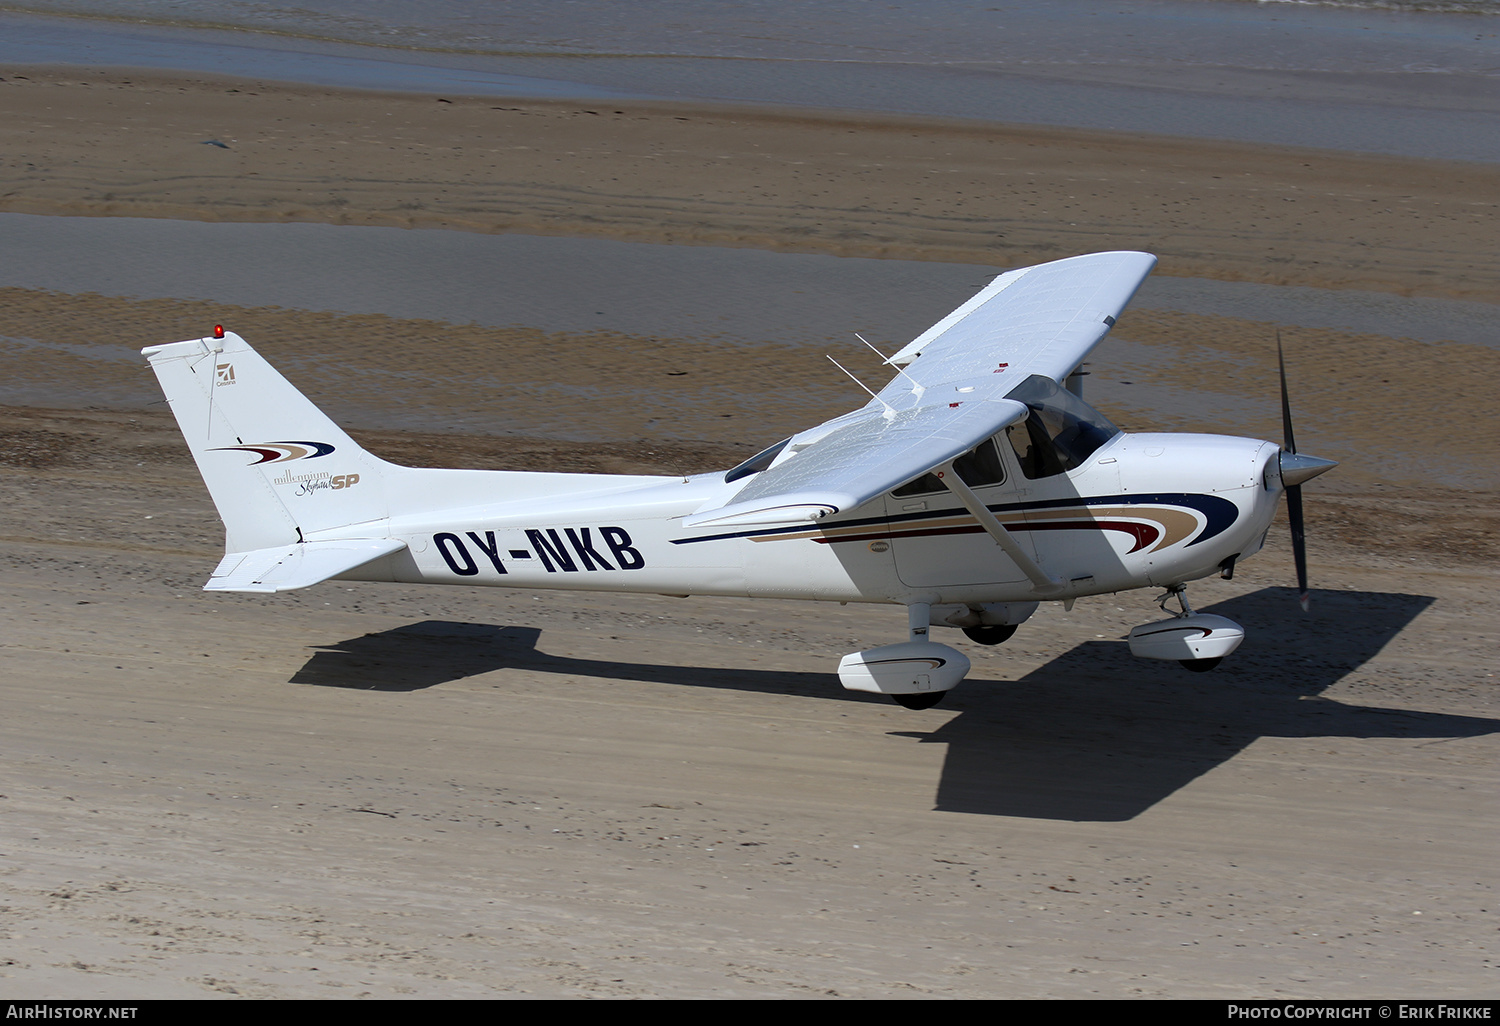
[[1061, 432]]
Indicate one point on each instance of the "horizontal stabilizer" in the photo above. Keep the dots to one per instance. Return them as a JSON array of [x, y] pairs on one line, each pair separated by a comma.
[[289, 567]]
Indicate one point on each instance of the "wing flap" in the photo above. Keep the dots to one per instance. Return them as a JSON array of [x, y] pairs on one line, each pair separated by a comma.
[[289, 567]]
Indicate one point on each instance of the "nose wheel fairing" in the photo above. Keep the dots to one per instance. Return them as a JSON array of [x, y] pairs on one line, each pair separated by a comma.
[[1196, 640], [1192, 638]]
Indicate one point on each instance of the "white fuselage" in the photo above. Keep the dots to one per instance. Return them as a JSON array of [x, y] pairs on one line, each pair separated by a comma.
[[1144, 510]]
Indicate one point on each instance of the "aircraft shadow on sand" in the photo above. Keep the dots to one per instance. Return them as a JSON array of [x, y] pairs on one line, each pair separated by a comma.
[[1094, 735]]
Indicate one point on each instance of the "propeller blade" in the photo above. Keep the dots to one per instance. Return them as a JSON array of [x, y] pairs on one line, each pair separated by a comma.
[[1294, 491], [1289, 444], [1299, 545]]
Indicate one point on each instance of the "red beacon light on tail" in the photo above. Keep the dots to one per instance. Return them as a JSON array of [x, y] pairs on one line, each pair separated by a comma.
[[218, 331]]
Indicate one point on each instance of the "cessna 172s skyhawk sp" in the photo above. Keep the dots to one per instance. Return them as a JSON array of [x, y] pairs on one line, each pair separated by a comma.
[[971, 488]]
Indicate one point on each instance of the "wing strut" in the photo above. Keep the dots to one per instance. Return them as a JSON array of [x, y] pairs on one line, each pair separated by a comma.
[[1045, 584]]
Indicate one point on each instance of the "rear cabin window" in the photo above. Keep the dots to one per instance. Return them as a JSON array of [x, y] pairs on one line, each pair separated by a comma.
[[755, 464]]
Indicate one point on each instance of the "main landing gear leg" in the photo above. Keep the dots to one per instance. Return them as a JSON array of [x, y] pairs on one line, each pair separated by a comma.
[[918, 623]]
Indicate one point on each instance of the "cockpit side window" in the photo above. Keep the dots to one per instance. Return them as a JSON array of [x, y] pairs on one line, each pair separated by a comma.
[[978, 467], [1060, 432]]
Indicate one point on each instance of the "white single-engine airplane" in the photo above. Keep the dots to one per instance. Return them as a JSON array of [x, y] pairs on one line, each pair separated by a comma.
[[972, 487]]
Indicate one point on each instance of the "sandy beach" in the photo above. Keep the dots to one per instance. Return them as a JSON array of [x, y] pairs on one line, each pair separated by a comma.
[[366, 791], [376, 791]]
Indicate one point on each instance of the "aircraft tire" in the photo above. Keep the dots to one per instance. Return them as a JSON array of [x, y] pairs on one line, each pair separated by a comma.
[[920, 699], [1201, 665], [991, 635]]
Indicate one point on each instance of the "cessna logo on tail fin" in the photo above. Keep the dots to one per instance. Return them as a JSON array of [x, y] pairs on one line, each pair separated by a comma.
[[571, 550]]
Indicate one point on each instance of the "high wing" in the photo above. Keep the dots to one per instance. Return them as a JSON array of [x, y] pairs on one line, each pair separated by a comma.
[[866, 453], [1044, 319]]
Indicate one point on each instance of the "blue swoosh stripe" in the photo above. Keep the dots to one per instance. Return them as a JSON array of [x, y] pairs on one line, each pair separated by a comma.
[[1218, 512]]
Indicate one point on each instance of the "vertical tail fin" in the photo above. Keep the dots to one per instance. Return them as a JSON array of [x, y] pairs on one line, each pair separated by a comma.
[[277, 468]]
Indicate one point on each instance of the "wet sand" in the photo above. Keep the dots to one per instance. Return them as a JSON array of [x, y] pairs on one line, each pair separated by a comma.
[[140, 144], [359, 790]]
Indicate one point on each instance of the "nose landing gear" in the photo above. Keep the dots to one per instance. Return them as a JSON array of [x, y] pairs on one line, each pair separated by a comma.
[[1199, 641]]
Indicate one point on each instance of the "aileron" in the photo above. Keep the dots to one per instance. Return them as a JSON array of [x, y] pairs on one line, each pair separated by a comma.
[[1038, 320]]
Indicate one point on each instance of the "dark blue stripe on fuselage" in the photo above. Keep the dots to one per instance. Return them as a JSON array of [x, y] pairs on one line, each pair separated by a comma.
[[1218, 512]]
